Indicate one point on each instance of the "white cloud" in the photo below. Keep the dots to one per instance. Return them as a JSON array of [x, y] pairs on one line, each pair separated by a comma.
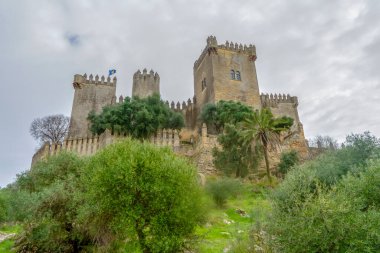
[[325, 52]]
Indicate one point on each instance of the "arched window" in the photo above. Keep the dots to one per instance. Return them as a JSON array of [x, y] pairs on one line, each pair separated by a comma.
[[232, 74], [238, 77]]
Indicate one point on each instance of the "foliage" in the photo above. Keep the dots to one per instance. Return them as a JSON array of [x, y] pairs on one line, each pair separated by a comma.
[[362, 147], [343, 219], [222, 189], [216, 116], [3, 206], [264, 130], [331, 204], [50, 226], [139, 118], [135, 190], [51, 128], [287, 161], [235, 156]]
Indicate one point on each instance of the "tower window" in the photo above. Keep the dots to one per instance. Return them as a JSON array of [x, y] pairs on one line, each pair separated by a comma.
[[204, 85], [233, 74], [238, 77]]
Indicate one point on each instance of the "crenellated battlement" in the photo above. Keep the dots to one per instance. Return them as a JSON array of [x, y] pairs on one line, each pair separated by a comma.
[[184, 106], [145, 75], [89, 146], [212, 45], [272, 100], [83, 79]]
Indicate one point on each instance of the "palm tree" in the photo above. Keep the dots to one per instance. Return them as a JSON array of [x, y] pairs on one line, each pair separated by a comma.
[[264, 130]]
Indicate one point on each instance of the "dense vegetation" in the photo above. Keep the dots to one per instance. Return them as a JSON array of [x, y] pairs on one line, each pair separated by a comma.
[[130, 194], [244, 135], [138, 118], [135, 197], [331, 204]]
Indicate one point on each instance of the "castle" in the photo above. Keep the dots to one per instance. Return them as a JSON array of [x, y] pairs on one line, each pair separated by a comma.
[[222, 72]]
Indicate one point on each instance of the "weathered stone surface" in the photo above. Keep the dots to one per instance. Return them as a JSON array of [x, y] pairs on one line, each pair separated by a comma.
[[213, 81]]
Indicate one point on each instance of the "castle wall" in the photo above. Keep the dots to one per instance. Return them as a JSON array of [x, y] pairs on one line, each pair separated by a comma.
[[286, 105], [212, 83], [89, 146], [90, 94]]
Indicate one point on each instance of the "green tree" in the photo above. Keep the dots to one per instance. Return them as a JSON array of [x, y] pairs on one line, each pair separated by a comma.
[[138, 191], [264, 130], [139, 118], [235, 155], [287, 161], [216, 116], [50, 190]]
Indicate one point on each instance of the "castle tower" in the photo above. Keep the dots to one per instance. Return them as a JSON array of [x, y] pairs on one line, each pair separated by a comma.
[[226, 72], [145, 84], [91, 94]]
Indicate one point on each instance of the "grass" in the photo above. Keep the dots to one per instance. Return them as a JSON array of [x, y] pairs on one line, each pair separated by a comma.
[[225, 225], [6, 245]]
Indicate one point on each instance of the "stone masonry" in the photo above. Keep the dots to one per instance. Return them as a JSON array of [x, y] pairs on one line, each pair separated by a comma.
[[222, 72]]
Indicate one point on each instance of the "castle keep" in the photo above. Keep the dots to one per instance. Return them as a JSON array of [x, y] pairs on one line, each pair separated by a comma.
[[222, 72]]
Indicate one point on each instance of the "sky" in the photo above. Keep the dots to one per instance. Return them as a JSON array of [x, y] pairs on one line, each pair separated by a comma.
[[327, 53]]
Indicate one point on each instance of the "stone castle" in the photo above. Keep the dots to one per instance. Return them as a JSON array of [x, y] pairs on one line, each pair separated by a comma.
[[222, 72]]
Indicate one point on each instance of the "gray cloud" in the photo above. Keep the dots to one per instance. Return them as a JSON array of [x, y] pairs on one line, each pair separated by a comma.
[[325, 52]]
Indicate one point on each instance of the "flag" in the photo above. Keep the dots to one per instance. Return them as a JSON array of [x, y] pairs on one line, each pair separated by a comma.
[[111, 72]]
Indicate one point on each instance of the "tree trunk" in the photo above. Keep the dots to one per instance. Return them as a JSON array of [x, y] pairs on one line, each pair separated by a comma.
[[265, 147], [141, 237]]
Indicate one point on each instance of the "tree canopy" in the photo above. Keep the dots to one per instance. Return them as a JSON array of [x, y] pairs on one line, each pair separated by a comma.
[[216, 116], [137, 117]]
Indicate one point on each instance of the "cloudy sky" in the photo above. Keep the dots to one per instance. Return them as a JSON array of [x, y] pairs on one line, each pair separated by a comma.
[[325, 52]]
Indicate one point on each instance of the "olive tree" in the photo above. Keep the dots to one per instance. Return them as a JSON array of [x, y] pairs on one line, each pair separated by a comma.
[[136, 192]]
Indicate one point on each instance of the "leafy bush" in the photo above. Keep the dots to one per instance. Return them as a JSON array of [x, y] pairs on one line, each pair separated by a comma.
[[235, 156], [50, 225], [343, 219], [287, 161], [222, 189], [135, 190], [3, 207], [330, 204]]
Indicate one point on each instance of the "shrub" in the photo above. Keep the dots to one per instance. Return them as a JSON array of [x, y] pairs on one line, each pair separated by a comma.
[[3, 206], [343, 219], [287, 161], [138, 191], [222, 189], [330, 204], [50, 225]]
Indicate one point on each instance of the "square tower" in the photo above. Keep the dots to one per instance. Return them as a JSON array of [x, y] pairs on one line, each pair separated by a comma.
[[226, 72], [91, 94]]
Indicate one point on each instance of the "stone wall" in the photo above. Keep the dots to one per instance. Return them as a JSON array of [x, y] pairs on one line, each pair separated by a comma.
[[89, 146]]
